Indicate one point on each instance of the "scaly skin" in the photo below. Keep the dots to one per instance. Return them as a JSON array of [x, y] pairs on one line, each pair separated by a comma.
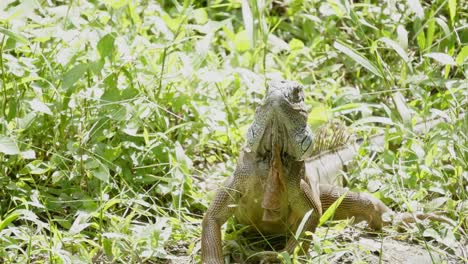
[[276, 182]]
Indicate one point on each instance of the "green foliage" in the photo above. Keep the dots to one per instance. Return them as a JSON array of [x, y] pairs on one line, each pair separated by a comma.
[[116, 115]]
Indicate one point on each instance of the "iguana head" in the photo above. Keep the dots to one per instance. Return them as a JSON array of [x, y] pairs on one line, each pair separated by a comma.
[[281, 122]]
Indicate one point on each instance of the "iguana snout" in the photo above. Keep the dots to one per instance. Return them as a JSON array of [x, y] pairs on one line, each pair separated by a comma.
[[286, 98]]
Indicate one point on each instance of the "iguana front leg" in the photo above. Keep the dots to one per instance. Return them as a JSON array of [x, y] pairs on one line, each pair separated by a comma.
[[308, 200], [220, 210]]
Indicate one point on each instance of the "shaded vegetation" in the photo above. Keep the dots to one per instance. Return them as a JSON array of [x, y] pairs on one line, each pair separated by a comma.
[[117, 117]]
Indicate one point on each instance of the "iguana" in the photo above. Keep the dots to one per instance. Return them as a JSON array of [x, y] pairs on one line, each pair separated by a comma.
[[278, 179]]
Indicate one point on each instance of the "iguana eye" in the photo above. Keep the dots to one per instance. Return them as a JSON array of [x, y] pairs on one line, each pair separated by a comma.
[[296, 95]]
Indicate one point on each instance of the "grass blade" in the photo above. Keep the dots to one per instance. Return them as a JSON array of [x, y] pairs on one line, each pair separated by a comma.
[[357, 57]]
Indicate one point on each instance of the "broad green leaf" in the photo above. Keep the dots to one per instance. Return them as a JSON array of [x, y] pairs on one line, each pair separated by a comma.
[[462, 55], [73, 75], [106, 45], [396, 47], [8, 146], [296, 44], [38, 106], [28, 154], [356, 56], [37, 167], [102, 173], [441, 58], [200, 15]]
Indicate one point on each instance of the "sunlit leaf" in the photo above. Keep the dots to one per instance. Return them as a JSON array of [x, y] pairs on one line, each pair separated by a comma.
[[402, 37], [102, 173], [328, 214], [374, 119], [28, 154], [106, 45], [39, 106], [8, 146], [8, 219], [416, 8], [13, 35], [248, 22], [73, 75], [402, 107], [452, 6], [430, 30], [462, 55], [360, 59], [395, 46], [200, 15], [296, 44], [441, 58], [242, 41], [301, 226]]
